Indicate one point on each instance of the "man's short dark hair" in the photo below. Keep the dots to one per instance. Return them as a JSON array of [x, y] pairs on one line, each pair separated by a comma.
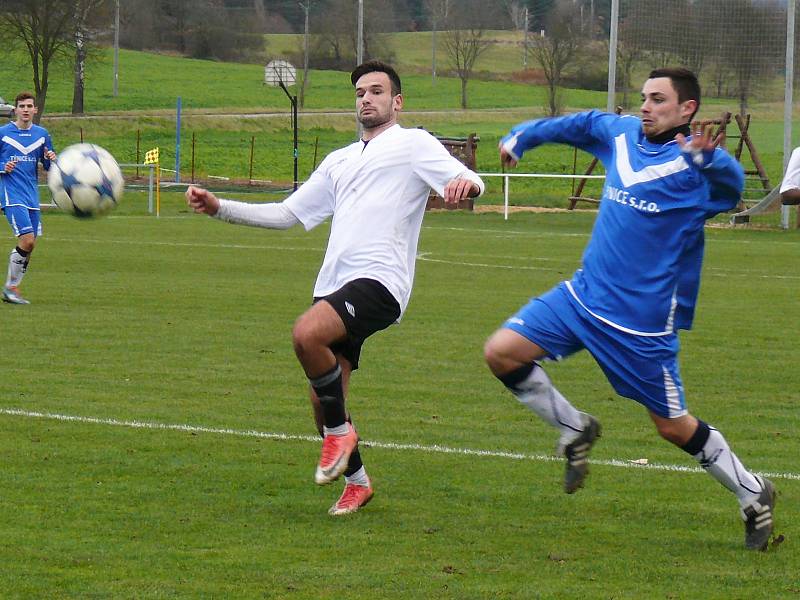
[[683, 81], [373, 66], [24, 96]]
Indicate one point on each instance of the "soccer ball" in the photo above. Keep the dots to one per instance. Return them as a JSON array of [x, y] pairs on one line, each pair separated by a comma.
[[85, 180]]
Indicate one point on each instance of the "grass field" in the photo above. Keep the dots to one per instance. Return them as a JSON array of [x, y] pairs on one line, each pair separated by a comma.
[[138, 387]]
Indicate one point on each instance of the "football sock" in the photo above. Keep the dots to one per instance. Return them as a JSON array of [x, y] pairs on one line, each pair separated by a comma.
[[533, 388], [17, 264], [709, 448], [358, 477], [328, 388], [354, 464]]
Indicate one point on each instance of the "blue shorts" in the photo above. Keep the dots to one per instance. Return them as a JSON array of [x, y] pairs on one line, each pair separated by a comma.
[[642, 368], [24, 220]]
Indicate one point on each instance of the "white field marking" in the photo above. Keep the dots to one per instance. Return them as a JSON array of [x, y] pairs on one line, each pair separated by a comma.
[[423, 256], [507, 233], [504, 232], [748, 273], [426, 258], [187, 244], [520, 257], [430, 449]]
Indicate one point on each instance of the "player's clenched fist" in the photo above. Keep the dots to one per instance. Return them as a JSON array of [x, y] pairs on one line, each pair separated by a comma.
[[201, 200]]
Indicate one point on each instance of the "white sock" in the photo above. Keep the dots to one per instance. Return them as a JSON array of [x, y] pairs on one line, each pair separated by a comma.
[[723, 465], [16, 268], [539, 395], [358, 478], [342, 429]]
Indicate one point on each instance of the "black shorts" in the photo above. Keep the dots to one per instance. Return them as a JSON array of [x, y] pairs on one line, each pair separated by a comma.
[[365, 306]]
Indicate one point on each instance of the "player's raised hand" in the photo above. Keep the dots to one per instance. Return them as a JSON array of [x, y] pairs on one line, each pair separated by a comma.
[[49, 154], [459, 189], [506, 159], [702, 145], [9, 166], [201, 200]]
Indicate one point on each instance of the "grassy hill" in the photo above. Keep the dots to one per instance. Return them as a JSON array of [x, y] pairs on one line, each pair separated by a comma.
[[149, 85]]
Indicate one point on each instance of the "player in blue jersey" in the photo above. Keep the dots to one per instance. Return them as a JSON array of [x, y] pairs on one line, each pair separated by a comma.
[[23, 145], [638, 283]]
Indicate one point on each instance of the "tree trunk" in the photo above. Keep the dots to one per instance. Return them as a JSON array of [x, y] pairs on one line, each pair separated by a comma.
[[463, 92], [306, 7], [40, 83], [80, 72]]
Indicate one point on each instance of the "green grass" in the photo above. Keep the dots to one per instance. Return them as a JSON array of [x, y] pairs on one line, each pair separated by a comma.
[[149, 82], [185, 320]]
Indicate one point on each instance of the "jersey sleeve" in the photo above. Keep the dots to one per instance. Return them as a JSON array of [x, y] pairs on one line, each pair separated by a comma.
[[314, 201], [48, 145], [791, 179], [588, 131], [726, 180], [437, 167]]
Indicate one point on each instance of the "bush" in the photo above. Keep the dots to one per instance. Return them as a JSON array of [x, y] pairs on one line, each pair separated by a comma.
[[589, 76]]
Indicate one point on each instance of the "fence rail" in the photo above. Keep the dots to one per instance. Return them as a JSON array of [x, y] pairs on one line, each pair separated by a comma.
[[507, 176]]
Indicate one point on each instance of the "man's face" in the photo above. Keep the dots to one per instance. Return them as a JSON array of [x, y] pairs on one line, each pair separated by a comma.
[[25, 110], [375, 104], [660, 109]]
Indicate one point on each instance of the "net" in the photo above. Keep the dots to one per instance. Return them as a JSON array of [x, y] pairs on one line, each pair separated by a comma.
[[738, 50]]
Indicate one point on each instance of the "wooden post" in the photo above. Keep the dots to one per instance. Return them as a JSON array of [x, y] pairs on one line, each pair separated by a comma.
[[252, 152], [138, 150]]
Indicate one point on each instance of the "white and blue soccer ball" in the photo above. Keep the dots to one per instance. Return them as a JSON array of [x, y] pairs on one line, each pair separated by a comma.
[[85, 180]]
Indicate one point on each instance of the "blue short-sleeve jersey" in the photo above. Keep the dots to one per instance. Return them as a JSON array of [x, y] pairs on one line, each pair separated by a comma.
[[641, 268], [27, 147]]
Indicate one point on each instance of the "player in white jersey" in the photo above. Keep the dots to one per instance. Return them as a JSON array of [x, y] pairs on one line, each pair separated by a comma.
[[376, 191], [638, 283], [790, 186], [23, 145]]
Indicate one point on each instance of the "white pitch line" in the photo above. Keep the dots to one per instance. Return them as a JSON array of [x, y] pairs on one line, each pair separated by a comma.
[[431, 449], [422, 256]]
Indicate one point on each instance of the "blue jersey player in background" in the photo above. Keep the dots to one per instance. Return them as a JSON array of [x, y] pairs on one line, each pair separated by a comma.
[[23, 145], [638, 282]]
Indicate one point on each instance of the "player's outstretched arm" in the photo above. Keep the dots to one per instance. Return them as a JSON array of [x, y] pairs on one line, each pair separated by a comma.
[[790, 197], [202, 201]]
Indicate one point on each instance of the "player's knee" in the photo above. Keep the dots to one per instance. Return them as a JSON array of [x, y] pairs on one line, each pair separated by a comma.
[[669, 430], [305, 337], [26, 242], [301, 338], [495, 356]]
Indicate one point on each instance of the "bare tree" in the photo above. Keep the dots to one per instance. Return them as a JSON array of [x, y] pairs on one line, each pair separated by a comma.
[[336, 45], [629, 54], [437, 11], [45, 28], [760, 28], [516, 12], [306, 6], [464, 41], [88, 15], [558, 49]]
